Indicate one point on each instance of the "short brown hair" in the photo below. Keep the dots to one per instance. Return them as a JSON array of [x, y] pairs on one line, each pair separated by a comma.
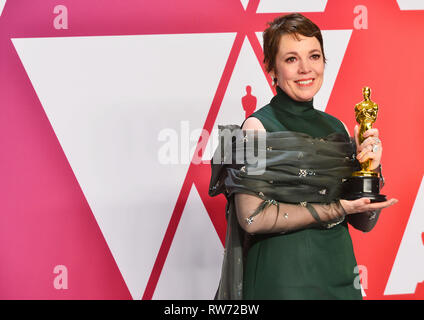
[[293, 24]]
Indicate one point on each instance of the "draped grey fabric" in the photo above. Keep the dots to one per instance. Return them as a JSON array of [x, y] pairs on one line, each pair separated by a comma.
[[298, 168]]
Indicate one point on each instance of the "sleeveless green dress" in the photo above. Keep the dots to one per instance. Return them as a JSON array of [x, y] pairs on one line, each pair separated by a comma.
[[309, 263]]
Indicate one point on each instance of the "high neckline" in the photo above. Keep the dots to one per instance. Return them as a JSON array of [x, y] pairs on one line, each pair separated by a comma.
[[283, 102]]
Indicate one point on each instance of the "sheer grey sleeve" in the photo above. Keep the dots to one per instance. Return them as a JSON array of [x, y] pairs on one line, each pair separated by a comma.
[[364, 221], [256, 215]]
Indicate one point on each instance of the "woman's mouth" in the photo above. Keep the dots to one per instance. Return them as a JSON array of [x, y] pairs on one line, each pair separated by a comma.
[[305, 82]]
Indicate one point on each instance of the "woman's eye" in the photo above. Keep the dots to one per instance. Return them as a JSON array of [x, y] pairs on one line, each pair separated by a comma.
[[316, 56], [291, 59]]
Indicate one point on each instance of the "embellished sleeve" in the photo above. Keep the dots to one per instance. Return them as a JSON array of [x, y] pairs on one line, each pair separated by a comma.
[[271, 216]]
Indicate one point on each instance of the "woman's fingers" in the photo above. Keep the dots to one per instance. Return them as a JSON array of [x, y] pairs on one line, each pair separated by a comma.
[[371, 132], [365, 155], [384, 204], [369, 142], [356, 135], [370, 137], [364, 204]]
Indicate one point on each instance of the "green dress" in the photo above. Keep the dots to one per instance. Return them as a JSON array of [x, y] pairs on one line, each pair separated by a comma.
[[309, 263]]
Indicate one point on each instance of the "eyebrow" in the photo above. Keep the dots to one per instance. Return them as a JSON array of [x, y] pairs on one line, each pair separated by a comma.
[[295, 53]]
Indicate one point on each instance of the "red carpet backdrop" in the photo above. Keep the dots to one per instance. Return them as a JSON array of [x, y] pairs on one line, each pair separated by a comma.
[[108, 120]]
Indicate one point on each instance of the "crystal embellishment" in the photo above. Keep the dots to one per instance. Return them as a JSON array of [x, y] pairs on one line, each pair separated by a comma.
[[261, 194], [372, 215], [249, 220], [303, 203], [272, 201], [323, 191], [332, 225], [286, 216], [306, 172]]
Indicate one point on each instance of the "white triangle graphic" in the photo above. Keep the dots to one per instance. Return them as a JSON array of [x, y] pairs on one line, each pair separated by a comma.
[[405, 275], [2, 4], [244, 3], [109, 99], [193, 265], [335, 45]]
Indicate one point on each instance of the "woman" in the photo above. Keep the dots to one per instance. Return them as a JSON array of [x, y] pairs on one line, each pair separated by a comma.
[[292, 227]]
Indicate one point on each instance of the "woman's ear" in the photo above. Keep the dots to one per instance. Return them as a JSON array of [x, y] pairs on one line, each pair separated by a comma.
[[273, 77]]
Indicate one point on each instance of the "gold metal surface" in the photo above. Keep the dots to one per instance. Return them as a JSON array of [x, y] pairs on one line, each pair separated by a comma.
[[366, 114]]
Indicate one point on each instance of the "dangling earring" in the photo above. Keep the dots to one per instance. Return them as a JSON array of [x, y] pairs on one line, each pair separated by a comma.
[[274, 82]]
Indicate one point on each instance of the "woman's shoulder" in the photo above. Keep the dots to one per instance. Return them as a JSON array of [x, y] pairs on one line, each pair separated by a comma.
[[336, 121], [252, 123], [257, 119]]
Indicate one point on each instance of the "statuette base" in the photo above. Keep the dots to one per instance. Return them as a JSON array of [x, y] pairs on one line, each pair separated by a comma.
[[359, 186]]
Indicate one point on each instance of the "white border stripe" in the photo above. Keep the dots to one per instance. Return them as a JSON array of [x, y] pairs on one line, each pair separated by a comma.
[[267, 6], [411, 4]]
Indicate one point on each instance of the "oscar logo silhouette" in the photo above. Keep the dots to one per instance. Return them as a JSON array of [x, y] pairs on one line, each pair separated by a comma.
[[364, 183], [248, 102]]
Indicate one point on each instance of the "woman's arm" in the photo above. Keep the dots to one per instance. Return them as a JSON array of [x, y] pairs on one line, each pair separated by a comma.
[[364, 221], [283, 217]]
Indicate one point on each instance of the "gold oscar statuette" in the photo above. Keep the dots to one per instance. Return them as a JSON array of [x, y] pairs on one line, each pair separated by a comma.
[[365, 182]]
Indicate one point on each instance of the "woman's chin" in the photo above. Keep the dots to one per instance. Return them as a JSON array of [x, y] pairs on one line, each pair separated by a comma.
[[305, 96], [302, 94], [308, 93]]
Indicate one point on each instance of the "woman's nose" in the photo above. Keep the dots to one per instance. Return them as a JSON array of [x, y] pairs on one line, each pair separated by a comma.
[[304, 66]]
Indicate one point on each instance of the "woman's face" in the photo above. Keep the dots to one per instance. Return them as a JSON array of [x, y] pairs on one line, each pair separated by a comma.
[[299, 66]]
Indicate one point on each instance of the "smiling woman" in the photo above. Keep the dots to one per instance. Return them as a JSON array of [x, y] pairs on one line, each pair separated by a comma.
[[294, 55], [290, 221], [299, 66]]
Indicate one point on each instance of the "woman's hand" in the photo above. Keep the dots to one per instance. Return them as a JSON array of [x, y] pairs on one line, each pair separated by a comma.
[[364, 151], [364, 204]]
